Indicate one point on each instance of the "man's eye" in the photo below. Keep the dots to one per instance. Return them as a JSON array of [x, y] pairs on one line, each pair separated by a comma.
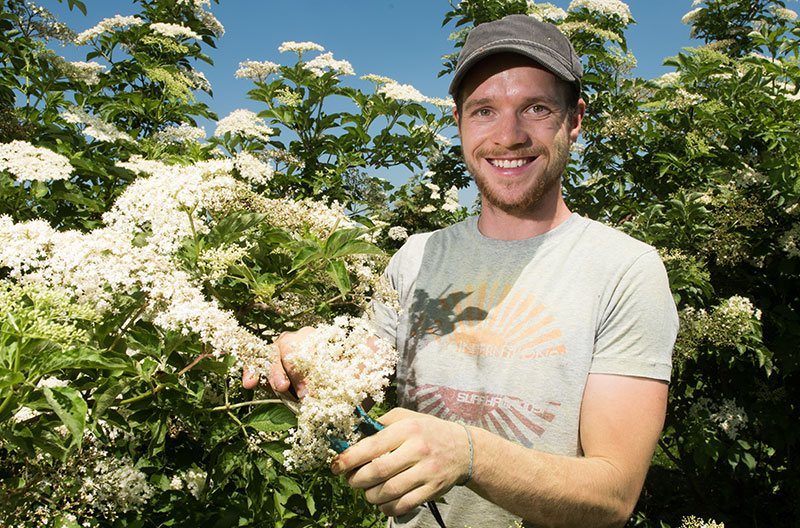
[[538, 110], [483, 112]]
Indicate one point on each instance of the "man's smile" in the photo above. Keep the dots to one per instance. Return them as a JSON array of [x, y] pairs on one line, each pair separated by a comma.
[[510, 163]]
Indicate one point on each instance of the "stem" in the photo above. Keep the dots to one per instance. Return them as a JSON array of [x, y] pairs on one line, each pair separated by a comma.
[[159, 388], [242, 404], [126, 325]]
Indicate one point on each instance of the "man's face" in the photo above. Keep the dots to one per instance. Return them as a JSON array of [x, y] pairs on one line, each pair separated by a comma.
[[516, 132]]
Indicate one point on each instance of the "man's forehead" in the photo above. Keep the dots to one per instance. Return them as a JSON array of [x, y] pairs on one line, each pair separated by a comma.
[[499, 65]]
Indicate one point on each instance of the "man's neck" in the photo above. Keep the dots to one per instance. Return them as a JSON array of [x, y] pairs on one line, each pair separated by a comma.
[[502, 225]]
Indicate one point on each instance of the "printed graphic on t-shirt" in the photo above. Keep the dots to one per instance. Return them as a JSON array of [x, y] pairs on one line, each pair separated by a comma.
[[488, 321], [495, 326], [507, 416]]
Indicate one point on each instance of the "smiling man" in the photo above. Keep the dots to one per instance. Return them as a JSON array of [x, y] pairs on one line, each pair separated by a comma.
[[535, 344]]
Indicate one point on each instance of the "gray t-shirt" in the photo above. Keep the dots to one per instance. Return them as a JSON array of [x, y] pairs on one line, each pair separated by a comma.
[[503, 334]]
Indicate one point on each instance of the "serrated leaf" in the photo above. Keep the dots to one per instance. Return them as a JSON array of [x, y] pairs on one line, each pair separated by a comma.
[[338, 272], [233, 226], [70, 407], [271, 418]]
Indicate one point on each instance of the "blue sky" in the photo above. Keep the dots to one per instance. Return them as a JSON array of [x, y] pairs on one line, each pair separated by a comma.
[[401, 39]]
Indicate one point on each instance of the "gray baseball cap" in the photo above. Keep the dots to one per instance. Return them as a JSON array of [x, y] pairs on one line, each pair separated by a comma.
[[523, 34]]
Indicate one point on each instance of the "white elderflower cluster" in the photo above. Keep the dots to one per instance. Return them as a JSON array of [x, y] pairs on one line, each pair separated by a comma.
[[116, 485], [398, 233], [604, 7], [571, 29], [173, 30], [96, 266], [299, 47], [106, 25], [244, 123], [377, 79], [451, 200], [790, 241], [320, 64], [94, 126], [668, 79], [782, 12], [253, 169], [546, 12], [430, 208], [256, 71], [78, 71], [344, 365], [29, 163], [194, 481], [696, 522], [403, 92], [728, 417], [690, 17], [182, 133], [216, 261]]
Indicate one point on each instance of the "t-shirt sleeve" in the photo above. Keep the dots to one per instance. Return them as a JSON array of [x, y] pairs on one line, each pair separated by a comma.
[[639, 323], [401, 272]]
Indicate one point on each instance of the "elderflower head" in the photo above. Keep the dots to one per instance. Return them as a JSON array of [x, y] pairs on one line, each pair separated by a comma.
[[106, 25], [690, 17], [173, 30], [319, 64], [402, 92], [546, 12], [27, 162], [256, 71], [398, 233], [244, 123], [94, 126], [299, 47], [182, 133], [604, 7], [253, 169], [782, 12], [343, 366]]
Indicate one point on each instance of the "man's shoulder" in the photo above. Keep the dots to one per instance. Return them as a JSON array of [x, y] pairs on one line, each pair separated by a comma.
[[611, 238]]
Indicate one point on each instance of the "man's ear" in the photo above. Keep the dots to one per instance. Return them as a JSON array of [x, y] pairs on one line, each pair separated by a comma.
[[456, 116], [577, 119]]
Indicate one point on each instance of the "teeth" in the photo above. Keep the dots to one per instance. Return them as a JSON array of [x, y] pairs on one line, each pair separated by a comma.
[[508, 164]]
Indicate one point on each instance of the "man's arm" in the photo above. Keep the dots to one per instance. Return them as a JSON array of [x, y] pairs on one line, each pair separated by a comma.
[[621, 419]]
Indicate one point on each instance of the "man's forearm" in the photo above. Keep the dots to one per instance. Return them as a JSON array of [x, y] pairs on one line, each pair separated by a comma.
[[550, 490]]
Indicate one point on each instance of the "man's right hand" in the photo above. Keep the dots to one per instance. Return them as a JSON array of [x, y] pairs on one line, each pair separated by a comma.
[[282, 376]]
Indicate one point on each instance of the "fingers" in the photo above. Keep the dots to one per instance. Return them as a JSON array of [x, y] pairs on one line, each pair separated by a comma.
[[249, 378], [415, 459], [282, 375]]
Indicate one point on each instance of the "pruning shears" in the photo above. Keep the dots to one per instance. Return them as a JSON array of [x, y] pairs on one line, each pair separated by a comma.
[[367, 426]]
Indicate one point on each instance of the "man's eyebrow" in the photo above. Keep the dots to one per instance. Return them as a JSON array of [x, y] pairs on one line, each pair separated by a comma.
[[534, 99]]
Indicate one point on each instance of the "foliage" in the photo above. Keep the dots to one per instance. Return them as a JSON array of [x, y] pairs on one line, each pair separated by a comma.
[[135, 285], [143, 263]]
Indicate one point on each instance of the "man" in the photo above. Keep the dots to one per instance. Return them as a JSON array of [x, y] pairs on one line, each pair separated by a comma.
[[535, 344]]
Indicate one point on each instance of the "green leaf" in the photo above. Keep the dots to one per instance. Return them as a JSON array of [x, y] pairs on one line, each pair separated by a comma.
[[233, 226], [338, 272], [9, 378], [271, 418], [306, 255], [49, 359], [70, 407]]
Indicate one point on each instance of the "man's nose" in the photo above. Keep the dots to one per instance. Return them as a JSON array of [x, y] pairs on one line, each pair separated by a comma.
[[511, 131]]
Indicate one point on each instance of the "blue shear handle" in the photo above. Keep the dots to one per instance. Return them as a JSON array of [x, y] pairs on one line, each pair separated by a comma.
[[367, 427]]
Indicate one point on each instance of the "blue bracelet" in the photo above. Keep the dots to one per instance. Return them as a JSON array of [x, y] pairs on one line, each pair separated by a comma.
[[471, 455]]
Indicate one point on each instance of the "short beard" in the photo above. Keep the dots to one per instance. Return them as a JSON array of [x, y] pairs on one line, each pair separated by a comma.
[[541, 186]]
